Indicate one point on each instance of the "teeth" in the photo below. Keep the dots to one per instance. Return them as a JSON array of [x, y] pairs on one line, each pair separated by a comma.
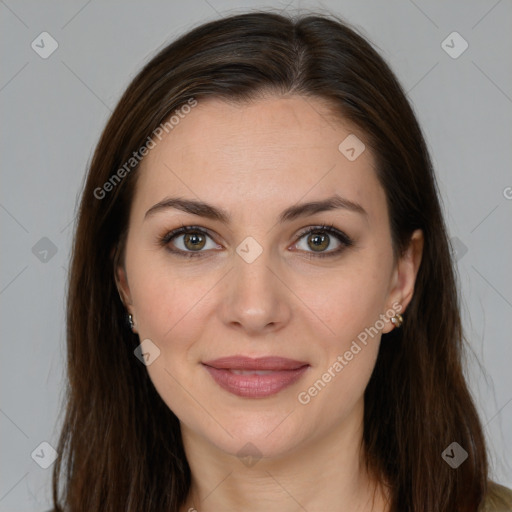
[[252, 372]]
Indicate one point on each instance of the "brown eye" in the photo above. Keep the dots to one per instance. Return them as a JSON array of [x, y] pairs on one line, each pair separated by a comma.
[[320, 238], [188, 241], [194, 241], [318, 241]]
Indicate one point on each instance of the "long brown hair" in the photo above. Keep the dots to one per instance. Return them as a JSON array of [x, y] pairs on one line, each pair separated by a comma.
[[120, 446]]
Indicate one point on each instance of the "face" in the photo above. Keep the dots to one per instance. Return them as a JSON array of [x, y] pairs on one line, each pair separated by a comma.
[[267, 314]]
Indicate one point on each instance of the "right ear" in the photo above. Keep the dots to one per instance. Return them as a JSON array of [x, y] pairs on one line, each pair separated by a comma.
[[122, 286], [121, 280]]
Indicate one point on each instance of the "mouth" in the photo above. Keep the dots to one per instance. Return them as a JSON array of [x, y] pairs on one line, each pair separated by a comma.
[[255, 378]]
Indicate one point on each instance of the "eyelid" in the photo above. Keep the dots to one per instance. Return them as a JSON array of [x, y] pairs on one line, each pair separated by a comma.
[[328, 228]]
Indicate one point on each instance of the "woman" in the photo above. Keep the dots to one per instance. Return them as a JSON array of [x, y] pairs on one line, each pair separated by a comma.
[[262, 311]]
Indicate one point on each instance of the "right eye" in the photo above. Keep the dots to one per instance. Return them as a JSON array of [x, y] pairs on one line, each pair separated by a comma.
[[188, 241]]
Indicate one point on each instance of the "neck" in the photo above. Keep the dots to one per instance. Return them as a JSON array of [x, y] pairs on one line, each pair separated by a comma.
[[326, 473]]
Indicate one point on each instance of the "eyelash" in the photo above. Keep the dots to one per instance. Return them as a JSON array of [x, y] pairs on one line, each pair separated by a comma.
[[344, 239]]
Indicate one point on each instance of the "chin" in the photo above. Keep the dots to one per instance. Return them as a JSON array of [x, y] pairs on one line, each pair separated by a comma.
[[271, 433]]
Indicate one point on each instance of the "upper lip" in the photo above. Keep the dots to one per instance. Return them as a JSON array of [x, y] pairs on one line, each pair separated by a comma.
[[260, 363]]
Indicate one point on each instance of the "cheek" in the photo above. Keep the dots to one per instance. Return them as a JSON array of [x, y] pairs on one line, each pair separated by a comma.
[[167, 306], [160, 298], [350, 309], [346, 358], [350, 298], [171, 313]]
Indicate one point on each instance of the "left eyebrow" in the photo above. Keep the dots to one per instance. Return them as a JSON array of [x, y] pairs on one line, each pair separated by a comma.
[[209, 211], [332, 203]]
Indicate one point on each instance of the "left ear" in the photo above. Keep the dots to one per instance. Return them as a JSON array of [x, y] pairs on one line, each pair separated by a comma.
[[404, 275]]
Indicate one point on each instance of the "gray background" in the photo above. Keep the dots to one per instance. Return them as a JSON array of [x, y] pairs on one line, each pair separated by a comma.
[[54, 109]]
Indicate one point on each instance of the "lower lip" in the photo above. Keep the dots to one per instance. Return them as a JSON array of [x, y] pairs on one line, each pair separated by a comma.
[[253, 385]]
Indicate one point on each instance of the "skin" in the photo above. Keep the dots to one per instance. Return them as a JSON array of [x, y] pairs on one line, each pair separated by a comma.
[[254, 161]]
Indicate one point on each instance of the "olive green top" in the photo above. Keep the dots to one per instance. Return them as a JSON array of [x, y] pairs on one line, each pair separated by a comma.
[[499, 499]]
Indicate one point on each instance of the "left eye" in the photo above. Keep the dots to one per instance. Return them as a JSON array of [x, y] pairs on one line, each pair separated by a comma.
[[319, 239]]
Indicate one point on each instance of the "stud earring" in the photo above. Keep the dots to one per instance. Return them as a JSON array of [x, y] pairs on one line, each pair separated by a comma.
[[397, 320], [131, 322]]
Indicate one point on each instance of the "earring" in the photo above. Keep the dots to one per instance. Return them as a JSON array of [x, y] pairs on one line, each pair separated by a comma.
[[397, 320], [130, 321]]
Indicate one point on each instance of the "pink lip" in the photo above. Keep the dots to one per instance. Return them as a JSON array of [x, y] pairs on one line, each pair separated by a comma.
[[284, 373]]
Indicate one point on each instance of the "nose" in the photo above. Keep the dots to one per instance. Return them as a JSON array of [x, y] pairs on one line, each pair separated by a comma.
[[256, 300]]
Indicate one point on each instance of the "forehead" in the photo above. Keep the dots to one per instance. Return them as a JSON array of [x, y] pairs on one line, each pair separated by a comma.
[[274, 149]]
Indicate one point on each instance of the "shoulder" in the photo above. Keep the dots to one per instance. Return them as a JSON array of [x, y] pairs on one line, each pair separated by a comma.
[[498, 499]]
